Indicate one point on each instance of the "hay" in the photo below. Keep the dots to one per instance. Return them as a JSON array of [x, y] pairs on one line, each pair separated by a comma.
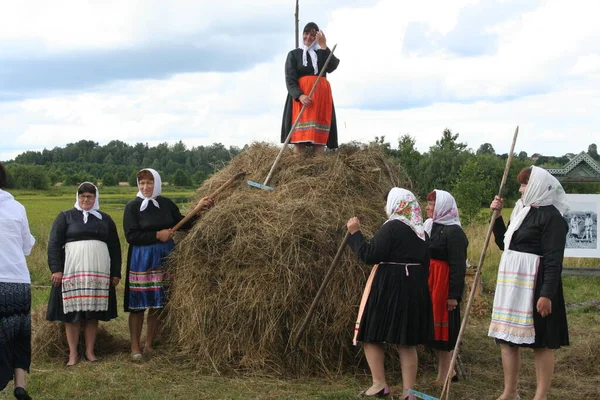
[[246, 274], [49, 341]]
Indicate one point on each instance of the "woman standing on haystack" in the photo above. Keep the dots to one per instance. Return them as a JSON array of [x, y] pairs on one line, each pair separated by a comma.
[[529, 281], [448, 251], [84, 256], [317, 126], [15, 291], [396, 306], [147, 222]]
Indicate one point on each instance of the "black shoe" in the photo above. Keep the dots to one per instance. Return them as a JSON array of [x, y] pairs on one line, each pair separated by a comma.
[[21, 394]]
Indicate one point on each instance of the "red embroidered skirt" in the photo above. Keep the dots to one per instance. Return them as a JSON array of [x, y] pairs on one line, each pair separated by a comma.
[[315, 122], [446, 323]]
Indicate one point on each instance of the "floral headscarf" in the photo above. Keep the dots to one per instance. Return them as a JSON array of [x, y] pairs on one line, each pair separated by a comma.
[[403, 206], [445, 211]]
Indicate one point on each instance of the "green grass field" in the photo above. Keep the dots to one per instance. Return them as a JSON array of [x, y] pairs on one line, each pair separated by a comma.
[[168, 374]]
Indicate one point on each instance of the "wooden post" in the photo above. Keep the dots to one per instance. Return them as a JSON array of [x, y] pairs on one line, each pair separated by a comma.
[[296, 15]]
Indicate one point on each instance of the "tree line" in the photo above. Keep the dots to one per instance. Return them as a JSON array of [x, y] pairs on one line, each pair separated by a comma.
[[116, 162], [473, 177]]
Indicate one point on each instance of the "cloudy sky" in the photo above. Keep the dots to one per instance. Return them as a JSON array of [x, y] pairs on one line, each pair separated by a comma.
[[204, 71]]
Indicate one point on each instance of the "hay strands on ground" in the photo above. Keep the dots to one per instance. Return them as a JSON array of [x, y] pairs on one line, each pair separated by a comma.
[[214, 194], [463, 325], [265, 185], [326, 280]]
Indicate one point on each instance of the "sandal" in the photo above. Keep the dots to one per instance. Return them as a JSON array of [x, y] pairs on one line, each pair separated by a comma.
[[384, 392], [136, 356]]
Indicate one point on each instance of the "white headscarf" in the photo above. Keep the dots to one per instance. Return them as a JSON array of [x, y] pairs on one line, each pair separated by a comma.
[[313, 55], [403, 206], [95, 207], [155, 192], [542, 190], [445, 211]]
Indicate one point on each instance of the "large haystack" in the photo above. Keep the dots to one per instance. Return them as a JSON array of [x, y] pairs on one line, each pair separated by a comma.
[[246, 274]]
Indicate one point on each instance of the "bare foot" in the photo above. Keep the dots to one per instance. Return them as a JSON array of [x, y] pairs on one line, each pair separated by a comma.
[[72, 360]]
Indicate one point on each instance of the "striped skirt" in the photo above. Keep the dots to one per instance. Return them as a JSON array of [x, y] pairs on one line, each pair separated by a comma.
[[86, 278], [147, 281], [512, 314], [315, 122], [15, 329]]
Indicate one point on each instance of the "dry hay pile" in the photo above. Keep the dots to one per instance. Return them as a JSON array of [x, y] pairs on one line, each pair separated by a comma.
[[244, 277], [49, 341]]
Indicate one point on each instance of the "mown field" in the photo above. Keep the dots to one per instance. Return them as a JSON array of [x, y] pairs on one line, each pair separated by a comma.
[[168, 374]]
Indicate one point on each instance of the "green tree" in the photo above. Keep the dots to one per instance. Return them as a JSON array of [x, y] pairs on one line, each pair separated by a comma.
[[409, 156], [27, 177], [485, 148], [109, 179], [469, 191], [181, 178], [593, 151]]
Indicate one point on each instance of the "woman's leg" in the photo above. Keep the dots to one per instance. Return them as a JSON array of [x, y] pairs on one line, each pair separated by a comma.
[[299, 148], [375, 356], [72, 331], [136, 322], [318, 150], [409, 362], [444, 359], [151, 328], [544, 370], [19, 378], [90, 330], [511, 360]]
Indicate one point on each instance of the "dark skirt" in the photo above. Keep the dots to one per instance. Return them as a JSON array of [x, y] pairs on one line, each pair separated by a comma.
[[147, 282], [15, 329], [551, 332], [446, 323], [55, 310], [398, 310]]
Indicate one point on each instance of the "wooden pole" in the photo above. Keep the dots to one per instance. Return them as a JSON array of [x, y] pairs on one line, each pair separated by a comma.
[[296, 16], [446, 388], [326, 280], [214, 194]]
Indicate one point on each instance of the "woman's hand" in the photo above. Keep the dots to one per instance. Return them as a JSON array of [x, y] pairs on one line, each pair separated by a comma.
[[305, 100], [353, 225], [321, 40], [57, 278], [497, 205], [544, 306], [206, 203], [165, 235], [114, 281], [452, 304]]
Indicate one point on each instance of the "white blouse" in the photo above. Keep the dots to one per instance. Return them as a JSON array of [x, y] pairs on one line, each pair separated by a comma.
[[15, 240]]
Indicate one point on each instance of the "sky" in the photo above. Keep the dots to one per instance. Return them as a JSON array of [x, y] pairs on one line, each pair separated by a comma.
[[207, 72]]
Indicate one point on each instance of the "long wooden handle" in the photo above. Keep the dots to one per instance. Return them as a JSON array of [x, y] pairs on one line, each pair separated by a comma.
[[214, 194], [463, 325], [289, 136], [326, 280]]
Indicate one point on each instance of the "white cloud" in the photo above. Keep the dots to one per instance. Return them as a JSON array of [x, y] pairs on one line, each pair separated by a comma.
[[544, 75]]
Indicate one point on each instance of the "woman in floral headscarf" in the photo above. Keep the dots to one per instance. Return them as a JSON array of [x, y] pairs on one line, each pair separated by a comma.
[[448, 250], [529, 306], [395, 307]]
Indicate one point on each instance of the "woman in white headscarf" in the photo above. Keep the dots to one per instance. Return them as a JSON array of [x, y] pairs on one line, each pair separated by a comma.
[[317, 126], [84, 256], [395, 307], [529, 306], [448, 251], [147, 222]]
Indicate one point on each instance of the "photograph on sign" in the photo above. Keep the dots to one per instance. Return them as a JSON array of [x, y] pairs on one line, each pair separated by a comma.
[[582, 220]]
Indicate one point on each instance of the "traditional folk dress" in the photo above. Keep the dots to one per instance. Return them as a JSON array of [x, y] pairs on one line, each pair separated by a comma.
[[146, 281], [85, 247], [448, 251], [15, 289], [318, 123], [395, 307], [531, 267]]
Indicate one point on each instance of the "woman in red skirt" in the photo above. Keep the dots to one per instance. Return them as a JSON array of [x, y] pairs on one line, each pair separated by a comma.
[[448, 251], [317, 127]]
